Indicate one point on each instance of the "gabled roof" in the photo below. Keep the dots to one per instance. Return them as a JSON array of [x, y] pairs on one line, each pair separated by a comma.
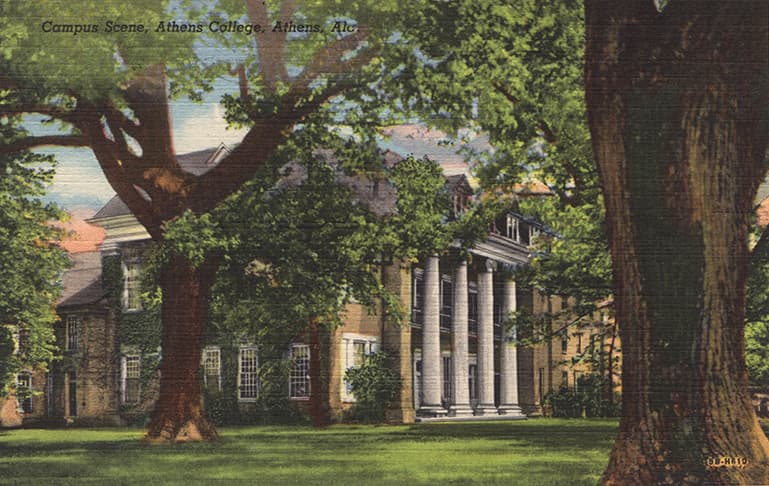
[[458, 181], [82, 282]]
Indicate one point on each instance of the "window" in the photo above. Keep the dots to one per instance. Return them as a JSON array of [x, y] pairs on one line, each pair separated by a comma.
[[359, 349], [564, 344], [23, 341], [447, 298], [541, 385], [579, 342], [447, 391], [524, 233], [299, 378], [565, 379], [212, 368], [592, 344], [577, 378], [72, 393], [24, 392], [132, 286], [248, 374], [472, 377], [355, 349], [472, 309], [417, 297], [417, 379], [49, 394], [131, 379], [72, 331], [498, 315], [511, 228], [461, 202]]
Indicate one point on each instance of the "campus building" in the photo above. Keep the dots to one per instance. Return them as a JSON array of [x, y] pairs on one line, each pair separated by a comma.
[[455, 357]]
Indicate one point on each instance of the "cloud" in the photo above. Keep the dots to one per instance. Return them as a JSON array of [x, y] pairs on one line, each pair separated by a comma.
[[78, 180], [203, 126]]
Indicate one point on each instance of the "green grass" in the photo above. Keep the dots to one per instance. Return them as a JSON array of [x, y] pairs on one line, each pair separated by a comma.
[[532, 452]]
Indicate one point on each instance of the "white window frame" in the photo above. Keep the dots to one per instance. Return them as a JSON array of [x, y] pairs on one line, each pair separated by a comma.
[[212, 351], [446, 308], [416, 370], [72, 339], [371, 345], [512, 227], [132, 286], [124, 370], [299, 377], [417, 314], [255, 384]]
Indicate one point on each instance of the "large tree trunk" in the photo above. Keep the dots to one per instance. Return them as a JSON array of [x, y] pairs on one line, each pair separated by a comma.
[[317, 413], [677, 105], [179, 414]]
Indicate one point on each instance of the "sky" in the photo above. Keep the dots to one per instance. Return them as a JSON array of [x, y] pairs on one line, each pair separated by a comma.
[[79, 185]]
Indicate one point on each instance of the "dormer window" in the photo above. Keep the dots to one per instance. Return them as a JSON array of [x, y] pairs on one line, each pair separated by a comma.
[[461, 202], [511, 228]]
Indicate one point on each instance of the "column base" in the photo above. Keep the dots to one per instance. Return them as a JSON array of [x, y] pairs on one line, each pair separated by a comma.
[[488, 409], [431, 411], [512, 410], [460, 411]]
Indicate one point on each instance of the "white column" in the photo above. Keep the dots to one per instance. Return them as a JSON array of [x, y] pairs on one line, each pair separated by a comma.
[[508, 390], [486, 341], [431, 342], [460, 401]]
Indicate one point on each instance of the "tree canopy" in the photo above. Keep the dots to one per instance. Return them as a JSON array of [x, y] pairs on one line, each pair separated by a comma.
[[30, 261]]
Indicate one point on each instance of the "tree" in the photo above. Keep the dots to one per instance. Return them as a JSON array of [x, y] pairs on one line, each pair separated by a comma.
[[677, 107], [676, 101], [115, 100], [30, 261], [309, 240]]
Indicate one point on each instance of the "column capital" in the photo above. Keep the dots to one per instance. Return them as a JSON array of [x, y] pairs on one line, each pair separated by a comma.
[[490, 265]]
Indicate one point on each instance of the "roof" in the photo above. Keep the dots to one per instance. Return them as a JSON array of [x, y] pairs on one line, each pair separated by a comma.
[[453, 182], [82, 282], [196, 163], [379, 196]]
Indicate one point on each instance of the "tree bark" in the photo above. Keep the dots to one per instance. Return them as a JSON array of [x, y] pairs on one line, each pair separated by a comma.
[[316, 383], [179, 414], [677, 107]]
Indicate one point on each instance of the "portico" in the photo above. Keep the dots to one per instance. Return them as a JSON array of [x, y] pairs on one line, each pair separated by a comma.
[[465, 363]]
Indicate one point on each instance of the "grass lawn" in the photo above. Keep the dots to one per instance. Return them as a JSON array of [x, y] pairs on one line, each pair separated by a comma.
[[531, 452]]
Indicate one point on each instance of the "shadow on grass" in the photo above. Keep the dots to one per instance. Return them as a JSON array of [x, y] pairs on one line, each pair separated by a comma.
[[531, 452]]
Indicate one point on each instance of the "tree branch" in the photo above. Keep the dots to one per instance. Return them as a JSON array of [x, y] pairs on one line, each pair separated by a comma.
[[328, 61], [271, 47], [44, 141], [147, 97], [240, 72], [114, 170], [129, 126], [48, 110]]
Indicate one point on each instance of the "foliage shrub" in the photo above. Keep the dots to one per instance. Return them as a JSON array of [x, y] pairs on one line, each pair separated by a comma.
[[588, 400], [373, 385]]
